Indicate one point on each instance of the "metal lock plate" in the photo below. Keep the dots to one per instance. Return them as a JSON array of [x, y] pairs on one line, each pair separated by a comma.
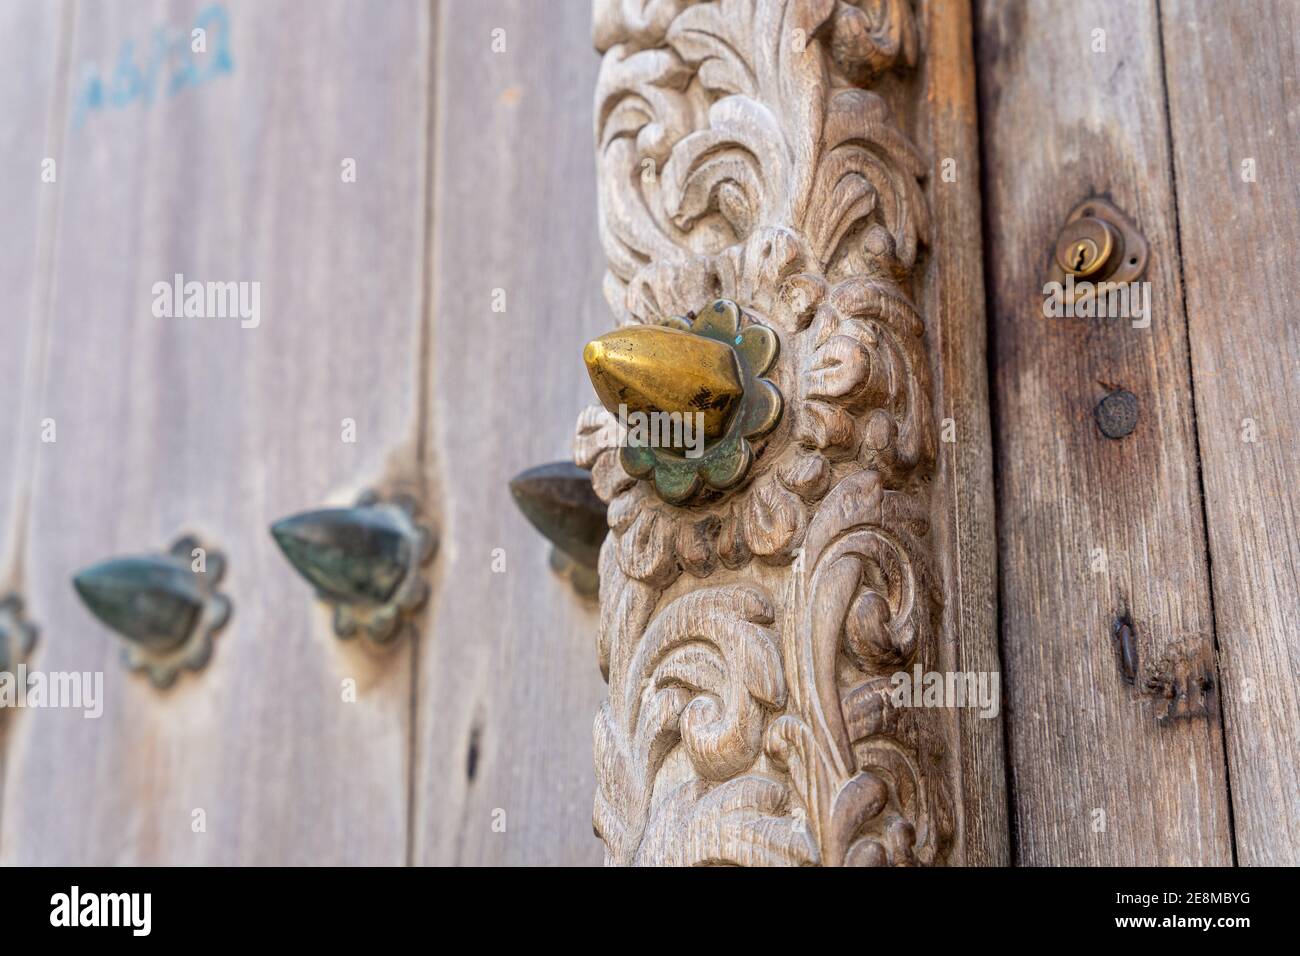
[[1097, 244]]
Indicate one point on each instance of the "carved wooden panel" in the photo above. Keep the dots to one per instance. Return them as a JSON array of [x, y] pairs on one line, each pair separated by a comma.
[[756, 150]]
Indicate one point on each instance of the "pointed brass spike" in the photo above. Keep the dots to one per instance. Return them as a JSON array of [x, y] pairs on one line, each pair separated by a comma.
[[153, 601], [558, 500], [351, 555], [650, 368]]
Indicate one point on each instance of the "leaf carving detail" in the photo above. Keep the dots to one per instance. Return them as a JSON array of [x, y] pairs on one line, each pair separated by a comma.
[[747, 149]]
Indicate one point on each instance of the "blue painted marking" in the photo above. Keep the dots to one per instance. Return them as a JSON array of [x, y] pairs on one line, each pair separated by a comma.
[[169, 54]]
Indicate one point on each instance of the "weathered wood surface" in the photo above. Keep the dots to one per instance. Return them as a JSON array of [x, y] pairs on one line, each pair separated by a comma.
[[32, 47], [953, 295], [1231, 73], [179, 424], [507, 679], [377, 298], [1092, 529]]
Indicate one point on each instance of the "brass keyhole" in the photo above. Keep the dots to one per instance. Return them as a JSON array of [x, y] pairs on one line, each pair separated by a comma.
[[1086, 246], [1084, 251]]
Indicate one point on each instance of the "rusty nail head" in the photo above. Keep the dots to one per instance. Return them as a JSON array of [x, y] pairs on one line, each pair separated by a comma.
[[1117, 413]]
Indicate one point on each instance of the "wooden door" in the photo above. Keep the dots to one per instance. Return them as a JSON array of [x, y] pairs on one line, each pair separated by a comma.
[[441, 203]]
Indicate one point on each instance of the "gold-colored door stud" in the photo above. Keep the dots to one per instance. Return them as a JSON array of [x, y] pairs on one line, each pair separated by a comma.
[[651, 368], [689, 376]]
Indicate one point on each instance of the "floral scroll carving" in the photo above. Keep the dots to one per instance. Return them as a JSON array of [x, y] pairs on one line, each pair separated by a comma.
[[748, 636]]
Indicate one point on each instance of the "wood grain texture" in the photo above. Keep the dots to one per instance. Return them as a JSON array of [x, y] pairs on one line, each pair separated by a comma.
[[507, 683], [170, 424], [1233, 93], [963, 510], [32, 45], [1061, 123]]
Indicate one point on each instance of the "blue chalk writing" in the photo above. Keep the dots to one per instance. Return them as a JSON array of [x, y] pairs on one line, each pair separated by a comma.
[[170, 64]]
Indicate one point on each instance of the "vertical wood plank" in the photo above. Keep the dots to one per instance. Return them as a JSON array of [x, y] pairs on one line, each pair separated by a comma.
[[508, 680], [954, 298], [1231, 72], [173, 424], [31, 40], [1093, 529], [32, 45]]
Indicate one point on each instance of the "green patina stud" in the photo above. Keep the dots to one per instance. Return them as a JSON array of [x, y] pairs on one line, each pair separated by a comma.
[[558, 500], [166, 606], [364, 561]]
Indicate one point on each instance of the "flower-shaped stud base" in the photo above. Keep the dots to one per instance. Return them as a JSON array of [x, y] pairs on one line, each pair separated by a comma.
[[166, 606], [17, 635], [364, 560], [726, 455]]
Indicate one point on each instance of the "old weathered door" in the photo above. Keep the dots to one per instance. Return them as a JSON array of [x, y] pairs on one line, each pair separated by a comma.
[[440, 203]]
